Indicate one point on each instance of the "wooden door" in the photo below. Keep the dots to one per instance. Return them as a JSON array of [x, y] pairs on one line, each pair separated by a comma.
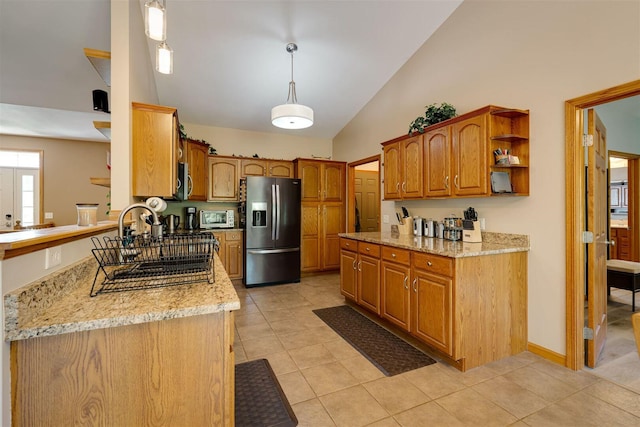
[[437, 162], [310, 237], [309, 172], [332, 225], [333, 182], [392, 171], [369, 283], [367, 194], [223, 179], [470, 156], [280, 168], [253, 167], [197, 159], [431, 309], [348, 274], [395, 294], [412, 179], [597, 185]]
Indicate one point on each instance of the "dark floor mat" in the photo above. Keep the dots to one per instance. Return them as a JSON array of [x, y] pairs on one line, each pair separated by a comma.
[[260, 401], [391, 354]]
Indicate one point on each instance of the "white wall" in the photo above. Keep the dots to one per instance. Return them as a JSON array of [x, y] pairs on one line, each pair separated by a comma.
[[527, 54]]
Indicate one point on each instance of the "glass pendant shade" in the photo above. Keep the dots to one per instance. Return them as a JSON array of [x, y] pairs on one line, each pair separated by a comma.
[[155, 21], [164, 59]]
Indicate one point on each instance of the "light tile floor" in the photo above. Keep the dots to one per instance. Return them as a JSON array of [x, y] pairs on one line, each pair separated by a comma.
[[328, 383]]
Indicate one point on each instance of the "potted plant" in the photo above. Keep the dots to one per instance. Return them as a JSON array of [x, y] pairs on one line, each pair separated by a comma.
[[433, 114]]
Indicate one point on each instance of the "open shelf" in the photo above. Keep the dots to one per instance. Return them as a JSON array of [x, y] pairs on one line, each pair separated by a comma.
[[104, 128], [509, 138], [101, 61], [510, 112], [103, 182]]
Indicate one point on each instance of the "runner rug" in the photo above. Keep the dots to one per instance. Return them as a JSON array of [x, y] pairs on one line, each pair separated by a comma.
[[260, 401], [391, 354]]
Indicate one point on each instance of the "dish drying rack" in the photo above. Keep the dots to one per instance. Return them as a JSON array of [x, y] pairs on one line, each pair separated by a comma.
[[143, 262]]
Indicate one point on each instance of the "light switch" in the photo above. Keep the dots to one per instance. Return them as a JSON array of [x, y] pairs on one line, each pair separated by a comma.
[[385, 219], [48, 215]]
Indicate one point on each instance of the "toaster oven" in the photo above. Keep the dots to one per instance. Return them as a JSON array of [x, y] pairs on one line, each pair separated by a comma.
[[217, 218]]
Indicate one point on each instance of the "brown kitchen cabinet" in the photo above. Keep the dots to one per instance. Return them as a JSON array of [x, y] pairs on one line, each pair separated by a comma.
[[621, 247], [396, 274], [197, 160], [403, 168], [509, 129], [360, 273], [323, 213], [231, 252], [469, 160], [437, 162], [155, 150], [266, 167], [223, 179]]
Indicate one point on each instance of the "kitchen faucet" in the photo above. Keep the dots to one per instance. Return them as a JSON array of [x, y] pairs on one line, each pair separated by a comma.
[[156, 227]]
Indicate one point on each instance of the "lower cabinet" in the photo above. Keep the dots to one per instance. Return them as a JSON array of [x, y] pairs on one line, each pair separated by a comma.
[[472, 310], [231, 252]]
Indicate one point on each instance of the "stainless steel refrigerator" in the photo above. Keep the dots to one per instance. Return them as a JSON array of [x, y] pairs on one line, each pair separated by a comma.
[[272, 231]]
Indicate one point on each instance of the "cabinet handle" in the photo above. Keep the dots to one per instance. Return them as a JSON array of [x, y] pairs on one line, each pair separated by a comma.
[[404, 187], [393, 255], [367, 249], [446, 182], [429, 263], [415, 287], [455, 181], [397, 186], [360, 266], [354, 264], [406, 282]]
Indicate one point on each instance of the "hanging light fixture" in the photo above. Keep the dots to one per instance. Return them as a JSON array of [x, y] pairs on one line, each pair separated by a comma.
[[292, 115], [164, 58], [155, 20]]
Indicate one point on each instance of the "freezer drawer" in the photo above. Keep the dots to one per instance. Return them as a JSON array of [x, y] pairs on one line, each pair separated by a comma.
[[267, 266]]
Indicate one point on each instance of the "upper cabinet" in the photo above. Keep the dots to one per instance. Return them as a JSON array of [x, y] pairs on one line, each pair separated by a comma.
[[322, 180], [266, 167], [155, 150], [458, 156], [224, 179], [403, 168], [197, 159]]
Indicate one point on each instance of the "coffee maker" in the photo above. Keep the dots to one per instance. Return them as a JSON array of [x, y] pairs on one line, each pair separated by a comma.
[[190, 218]]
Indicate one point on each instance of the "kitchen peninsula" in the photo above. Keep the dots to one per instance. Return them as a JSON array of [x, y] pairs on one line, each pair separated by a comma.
[[465, 301], [145, 357]]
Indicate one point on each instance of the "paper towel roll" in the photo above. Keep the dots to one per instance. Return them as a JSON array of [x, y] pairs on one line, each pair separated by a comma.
[[157, 204]]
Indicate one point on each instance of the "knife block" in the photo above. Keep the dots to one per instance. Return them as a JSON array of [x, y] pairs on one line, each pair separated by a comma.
[[407, 227], [471, 232]]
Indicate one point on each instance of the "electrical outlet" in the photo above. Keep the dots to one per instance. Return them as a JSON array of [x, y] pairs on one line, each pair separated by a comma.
[[48, 215], [53, 257], [482, 224], [385, 219]]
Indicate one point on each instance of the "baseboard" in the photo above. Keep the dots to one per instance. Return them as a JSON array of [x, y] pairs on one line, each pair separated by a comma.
[[550, 355]]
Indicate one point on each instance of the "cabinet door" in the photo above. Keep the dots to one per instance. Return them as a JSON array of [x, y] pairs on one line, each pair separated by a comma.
[[309, 172], [197, 159], [431, 310], [223, 179], [333, 182], [470, 156], [412, 177], [348, 274], [280, 169], [154, 152], [310, 237], [253, 167], [392, 171], [395, 294], [234, 254], [369, 283], [437, 162], [332, 225]]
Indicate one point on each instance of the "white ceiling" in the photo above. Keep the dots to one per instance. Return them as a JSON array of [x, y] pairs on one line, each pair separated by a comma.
[[230, 62]]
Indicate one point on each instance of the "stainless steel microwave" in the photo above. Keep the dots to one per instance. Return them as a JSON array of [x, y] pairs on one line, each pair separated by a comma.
[[217, 218]]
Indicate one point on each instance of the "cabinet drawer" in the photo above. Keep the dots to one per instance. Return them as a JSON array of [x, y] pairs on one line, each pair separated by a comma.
[[400, 256], [232, 235], [348, 244], [370, 249], [433, 264]]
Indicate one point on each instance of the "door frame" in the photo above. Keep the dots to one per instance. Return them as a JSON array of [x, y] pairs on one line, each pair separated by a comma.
[[574, 213], [351, 188]]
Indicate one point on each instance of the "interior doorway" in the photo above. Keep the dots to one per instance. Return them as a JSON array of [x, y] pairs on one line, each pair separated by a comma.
[[363, 196], [576, 202]]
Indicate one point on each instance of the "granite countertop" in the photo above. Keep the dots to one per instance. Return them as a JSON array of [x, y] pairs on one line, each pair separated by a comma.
[[492, 243], [60, 303]]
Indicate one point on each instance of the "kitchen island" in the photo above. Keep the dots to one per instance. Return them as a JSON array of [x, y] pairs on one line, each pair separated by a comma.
[[467, 302], [160, 356]]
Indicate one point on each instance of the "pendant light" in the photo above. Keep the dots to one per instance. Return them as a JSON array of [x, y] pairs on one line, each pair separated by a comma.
[[164, 58], [155, 20], [292, 115]]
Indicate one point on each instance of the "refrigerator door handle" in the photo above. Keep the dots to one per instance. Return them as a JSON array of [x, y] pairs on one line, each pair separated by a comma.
[[278, 212], [272, 251], [273, 212]]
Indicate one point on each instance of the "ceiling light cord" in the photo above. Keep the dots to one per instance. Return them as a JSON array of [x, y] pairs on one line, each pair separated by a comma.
[[292, 98]]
